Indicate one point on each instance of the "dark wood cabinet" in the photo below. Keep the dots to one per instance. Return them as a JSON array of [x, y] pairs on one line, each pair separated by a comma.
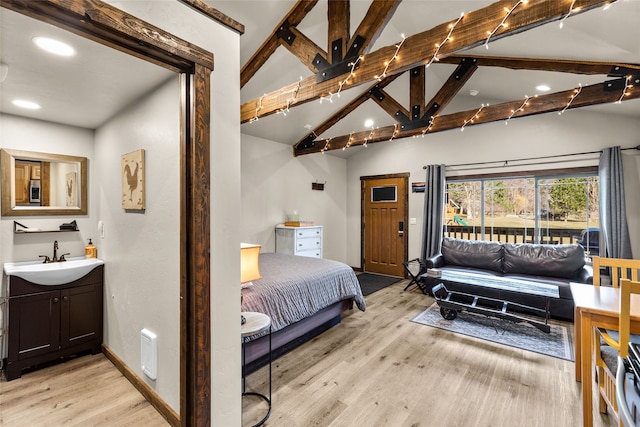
[[50, 322]]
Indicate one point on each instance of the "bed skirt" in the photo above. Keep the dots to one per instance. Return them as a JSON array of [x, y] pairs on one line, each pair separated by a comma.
[[257, 351]]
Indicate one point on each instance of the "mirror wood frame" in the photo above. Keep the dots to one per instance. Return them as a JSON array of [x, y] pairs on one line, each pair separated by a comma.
[[119, 30], [7, 160]]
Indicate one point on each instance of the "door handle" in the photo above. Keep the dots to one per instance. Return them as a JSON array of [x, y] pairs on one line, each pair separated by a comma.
[[401, 228]]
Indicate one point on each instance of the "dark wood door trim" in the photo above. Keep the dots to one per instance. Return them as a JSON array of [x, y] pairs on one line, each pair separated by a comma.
[[110, 26], [405, 196]]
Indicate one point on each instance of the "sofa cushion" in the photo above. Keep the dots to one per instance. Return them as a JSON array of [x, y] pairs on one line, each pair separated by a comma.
[[472, 253], [543, 260]]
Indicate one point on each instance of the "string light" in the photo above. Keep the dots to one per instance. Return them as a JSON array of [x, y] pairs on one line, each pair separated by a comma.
[[295, 91], [387, 63], [571, 10], [368, 138], [502, 24], [521, 108], [351, 74], [573, 96], [255, 118], [326, 145], [396, 129], [475, 116], [348, 142], [446, 39], [624, 91], [431, 120]]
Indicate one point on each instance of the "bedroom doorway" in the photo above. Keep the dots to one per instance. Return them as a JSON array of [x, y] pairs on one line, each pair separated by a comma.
[[384, 232]]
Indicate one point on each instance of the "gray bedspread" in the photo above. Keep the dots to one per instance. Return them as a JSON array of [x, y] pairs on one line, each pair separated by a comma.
[[295, 287]]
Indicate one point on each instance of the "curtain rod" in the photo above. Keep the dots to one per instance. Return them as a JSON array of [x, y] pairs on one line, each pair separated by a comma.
[[505, 162]]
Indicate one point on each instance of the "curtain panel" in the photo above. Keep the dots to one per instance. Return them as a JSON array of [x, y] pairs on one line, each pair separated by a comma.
[[613, 217], [434, 198]]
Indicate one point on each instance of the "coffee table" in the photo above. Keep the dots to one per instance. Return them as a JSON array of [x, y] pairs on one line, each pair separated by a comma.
[[451, 302]]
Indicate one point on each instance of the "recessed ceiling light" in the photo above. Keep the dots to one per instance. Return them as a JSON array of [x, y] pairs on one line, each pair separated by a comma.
[[25, 104], [473, 92], [54, 46], [368, 123], [543, 88]]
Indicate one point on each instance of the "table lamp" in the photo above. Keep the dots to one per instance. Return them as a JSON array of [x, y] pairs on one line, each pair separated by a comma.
[[249, 266]]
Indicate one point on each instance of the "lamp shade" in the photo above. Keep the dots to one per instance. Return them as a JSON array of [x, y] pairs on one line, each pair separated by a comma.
[[249, 266]]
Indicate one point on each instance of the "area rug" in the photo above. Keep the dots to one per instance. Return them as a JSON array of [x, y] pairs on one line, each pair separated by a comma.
[[558, 343], [370, 283]]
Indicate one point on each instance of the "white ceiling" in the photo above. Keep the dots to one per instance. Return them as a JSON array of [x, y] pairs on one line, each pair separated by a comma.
[[611, 35], [84, 90], [91, 87]]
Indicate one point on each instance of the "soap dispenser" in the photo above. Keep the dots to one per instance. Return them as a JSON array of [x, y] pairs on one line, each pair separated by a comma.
[[90, 250]]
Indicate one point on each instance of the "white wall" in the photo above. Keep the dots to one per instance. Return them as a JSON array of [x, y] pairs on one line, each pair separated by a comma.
[[196, 28], [141, 248], [45, 137], [573, 132], [274, 184]]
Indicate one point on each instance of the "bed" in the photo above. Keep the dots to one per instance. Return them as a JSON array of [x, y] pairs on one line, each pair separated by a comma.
[[303, 296]]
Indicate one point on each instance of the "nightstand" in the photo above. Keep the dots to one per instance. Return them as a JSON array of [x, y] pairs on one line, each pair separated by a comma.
[[256, 324]]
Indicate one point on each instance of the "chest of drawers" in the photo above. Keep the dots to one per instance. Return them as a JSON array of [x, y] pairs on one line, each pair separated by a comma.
[[303, 241]]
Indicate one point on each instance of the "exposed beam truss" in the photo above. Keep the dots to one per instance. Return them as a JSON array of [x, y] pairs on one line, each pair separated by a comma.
[[342, 47], [420, 49], [466, 67], [620, 89]]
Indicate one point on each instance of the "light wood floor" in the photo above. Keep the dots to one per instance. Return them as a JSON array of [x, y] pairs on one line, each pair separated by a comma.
[[376, 368], [87, 391]]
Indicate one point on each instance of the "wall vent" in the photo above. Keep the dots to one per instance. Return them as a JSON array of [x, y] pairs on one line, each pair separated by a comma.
[[148, 353]]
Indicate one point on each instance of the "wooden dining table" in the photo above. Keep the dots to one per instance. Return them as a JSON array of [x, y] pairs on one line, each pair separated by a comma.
[[595, 307]]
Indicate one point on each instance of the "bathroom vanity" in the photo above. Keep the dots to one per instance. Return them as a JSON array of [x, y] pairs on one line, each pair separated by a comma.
[[50, 321]]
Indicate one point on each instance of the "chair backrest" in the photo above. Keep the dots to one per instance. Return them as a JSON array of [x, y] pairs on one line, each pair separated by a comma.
[[620, 269], [627, 288]]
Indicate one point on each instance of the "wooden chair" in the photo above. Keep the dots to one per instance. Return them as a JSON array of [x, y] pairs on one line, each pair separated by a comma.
[[620, 269], [609, 344]]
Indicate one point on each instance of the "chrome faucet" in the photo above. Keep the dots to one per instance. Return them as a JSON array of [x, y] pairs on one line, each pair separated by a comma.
[[55, 251]]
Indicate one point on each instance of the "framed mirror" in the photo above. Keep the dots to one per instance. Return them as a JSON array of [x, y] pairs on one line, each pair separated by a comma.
[[43, 183]]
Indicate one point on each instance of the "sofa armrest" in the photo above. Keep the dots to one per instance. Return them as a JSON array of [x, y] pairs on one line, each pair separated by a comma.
[[435, 261], [585, 275]]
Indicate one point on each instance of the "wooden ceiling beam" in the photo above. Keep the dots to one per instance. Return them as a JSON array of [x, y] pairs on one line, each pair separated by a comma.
[[418, 49], [452, 86], [338, 35], [602, 93], [555, 65], [293, 18], [390, 105], [417, 92], [378, 16], [304, 48], [344, 111]]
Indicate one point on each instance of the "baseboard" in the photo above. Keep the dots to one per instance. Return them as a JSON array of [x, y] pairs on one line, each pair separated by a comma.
[[150, 394]]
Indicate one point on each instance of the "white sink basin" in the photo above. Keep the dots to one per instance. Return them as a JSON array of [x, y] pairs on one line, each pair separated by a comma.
[[55, 273]]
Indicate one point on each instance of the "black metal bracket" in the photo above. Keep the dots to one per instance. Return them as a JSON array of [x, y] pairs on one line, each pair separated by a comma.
[[328, 71], [618, 71], [377, 93], [415, 123], [285, 33], [617, 84], [336, 51], [306, 143], [464, 67]]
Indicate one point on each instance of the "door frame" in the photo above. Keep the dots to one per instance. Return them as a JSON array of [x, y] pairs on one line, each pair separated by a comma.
[[112, 27], [405, 197]]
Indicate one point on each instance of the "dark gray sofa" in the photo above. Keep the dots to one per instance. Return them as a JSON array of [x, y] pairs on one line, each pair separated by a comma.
[[553, 264]]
